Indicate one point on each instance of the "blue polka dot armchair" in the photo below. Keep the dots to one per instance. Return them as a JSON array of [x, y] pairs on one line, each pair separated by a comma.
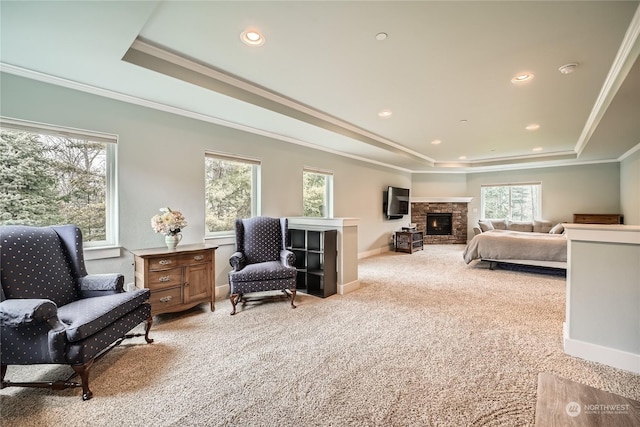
[[52, 311], [261, 261]]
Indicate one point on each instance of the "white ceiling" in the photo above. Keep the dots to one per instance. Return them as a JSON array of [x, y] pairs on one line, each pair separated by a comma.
[[321, 77]]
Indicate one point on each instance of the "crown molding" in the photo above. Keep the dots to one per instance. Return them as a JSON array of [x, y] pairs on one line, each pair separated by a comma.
[[106, 93], [622, 64]]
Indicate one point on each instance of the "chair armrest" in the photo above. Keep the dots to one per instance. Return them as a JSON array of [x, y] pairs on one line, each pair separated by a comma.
[[94, 285], [287, 258], [27, 312], [237, 261]]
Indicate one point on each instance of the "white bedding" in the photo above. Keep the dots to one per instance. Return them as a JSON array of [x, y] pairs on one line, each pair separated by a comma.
[[505, 245]]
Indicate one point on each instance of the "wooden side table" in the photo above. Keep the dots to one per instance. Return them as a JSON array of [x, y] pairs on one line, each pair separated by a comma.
[[178, 278], [409, 241]]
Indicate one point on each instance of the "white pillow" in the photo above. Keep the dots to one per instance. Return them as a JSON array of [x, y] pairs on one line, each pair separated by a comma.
[[557, 229]]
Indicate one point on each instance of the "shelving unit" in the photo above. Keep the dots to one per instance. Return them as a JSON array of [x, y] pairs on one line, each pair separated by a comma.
[[316, 256], [409, 241]]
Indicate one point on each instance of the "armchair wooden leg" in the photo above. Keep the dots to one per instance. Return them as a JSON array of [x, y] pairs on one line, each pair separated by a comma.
[[83, 373], [147, 328], [293, 296], [234, 299]]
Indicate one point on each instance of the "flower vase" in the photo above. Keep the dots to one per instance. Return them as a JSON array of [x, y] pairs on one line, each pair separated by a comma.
[[172, 240]]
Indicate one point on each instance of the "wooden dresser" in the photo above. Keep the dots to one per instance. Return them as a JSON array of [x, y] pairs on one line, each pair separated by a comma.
[[178, 278], [597, 219]]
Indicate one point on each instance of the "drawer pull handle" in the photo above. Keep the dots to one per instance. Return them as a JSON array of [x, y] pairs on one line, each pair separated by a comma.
[[165, 262], [165, 279], [166, 299], [198, 257]]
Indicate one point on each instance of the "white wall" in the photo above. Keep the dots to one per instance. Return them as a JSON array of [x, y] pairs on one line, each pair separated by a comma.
[[630, 188], [161, 163], [439, 185]]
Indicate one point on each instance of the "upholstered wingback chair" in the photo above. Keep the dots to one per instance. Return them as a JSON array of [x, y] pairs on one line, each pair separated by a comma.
[[52, 311], [261, 261]]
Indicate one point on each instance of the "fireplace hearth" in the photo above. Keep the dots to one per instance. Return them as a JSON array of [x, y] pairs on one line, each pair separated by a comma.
[[439, 224]]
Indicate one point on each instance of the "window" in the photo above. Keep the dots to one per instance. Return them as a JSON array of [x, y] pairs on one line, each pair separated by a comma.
[[516, 202], [317, 193], [231, 191], [50, 175]]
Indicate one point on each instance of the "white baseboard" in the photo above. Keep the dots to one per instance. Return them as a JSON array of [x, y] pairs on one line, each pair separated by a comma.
[[605, 355], [373, 252], [349, 287], [221, 292]]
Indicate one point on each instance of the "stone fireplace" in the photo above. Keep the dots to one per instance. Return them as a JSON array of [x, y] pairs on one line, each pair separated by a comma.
[[440, 212]]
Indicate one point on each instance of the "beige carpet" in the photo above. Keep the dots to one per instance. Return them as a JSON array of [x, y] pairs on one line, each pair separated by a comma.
[[427, 340]]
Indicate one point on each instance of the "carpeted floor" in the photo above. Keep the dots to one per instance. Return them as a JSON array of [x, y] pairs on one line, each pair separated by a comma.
[[425, 341]]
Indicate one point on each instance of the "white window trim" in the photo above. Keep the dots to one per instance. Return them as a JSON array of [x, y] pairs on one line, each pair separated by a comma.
[[328, 196], [103, 248], [225, 237]]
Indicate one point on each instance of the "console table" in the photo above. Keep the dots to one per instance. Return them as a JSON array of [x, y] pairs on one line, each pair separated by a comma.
[[178, 278], [409, 241]]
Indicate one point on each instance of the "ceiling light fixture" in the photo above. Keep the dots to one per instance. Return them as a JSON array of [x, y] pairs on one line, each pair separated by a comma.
[[537, 149], [381, 36], [252, 38], [385, 114], [568, 68], [462, 158], [436, 142], [533, 126], [521, 78]]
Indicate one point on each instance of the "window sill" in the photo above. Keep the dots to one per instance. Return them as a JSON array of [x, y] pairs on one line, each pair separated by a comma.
[[222, 240], [102, 252]]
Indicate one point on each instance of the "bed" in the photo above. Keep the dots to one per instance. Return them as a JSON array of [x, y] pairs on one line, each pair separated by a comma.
[[515, 247]]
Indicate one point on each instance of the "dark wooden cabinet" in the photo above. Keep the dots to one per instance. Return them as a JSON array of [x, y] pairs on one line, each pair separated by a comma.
[[597, 219], [316, 260], [409, 241]]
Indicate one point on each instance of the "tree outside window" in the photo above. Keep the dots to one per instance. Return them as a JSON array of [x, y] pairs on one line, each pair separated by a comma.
[[317, 193], [230, 191], [516, 202], [48, 179]]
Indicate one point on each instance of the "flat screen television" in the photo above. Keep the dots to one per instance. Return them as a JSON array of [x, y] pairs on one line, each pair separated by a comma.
[[397, 203]]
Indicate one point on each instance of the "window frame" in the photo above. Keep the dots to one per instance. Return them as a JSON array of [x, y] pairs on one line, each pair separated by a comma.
[[256, 188], [537, 214], [102, 248], [328, 190]]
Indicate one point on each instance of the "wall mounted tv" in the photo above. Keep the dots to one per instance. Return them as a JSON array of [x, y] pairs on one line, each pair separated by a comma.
[[396, 202]]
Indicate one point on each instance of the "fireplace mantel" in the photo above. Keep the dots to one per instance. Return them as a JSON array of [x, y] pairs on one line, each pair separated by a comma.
[[441, 199]]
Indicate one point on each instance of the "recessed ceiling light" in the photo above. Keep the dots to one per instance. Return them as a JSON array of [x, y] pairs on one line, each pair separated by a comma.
[[464, 121], [381, 36], [252, 38], [385, 114], [568, 68], [436, 142], [521, 78], [462, 158], [533, 126], [537, 149]]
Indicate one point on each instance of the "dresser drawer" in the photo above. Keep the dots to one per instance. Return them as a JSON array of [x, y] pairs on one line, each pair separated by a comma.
[[165, 298], [164, 262], [195, 257], [164, 278]]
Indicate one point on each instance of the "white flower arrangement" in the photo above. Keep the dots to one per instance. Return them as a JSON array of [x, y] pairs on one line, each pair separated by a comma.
[[169, 222]]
